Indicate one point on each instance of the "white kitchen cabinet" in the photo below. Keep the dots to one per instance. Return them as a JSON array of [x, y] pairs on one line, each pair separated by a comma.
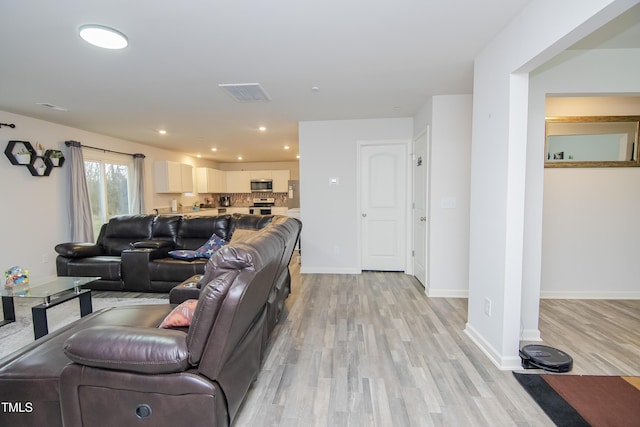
[[279, 210], [206, 180], [260, 174], [238, 182], [220, 185], [211, 181], [172, 177], [239, 210], [280, 181]]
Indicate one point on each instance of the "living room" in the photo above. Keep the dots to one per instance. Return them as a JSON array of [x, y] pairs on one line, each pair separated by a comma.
[[501, 257]]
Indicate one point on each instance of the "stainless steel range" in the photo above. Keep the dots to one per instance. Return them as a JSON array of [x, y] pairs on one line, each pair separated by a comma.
[[262, 205]]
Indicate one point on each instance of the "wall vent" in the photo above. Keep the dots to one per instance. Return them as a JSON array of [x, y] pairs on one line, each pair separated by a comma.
[[246, 92]]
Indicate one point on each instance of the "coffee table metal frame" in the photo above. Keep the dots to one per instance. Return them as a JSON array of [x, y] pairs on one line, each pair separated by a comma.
[[53, 291]]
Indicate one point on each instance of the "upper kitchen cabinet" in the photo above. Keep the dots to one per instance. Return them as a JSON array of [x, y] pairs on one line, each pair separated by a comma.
[[172, 177], [280, 181], [211, 180], [238, 182]]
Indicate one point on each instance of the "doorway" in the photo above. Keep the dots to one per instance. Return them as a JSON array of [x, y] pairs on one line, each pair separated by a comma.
[[383, 184], [420, 207]]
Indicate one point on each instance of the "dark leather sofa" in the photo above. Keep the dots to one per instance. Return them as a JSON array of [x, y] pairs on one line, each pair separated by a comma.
[[116, 367], [131, 251]]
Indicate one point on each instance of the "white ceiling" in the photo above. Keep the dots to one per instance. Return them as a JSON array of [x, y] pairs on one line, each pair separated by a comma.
[[369, 59]]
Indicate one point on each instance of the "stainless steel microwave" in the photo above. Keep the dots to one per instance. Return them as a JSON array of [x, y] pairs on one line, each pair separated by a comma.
[[264, 185]]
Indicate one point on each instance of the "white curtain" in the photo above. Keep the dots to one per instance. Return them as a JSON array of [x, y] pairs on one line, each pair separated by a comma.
[[79, 207], [137, 193]]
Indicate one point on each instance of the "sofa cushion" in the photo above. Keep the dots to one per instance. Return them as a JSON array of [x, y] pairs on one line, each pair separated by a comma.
[[194, 232], [181, 315], [209, 303], [242, 234], [125, 348], [78, 250], [122, 231]]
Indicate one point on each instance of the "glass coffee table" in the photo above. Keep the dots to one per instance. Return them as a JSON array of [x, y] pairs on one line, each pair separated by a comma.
[[53, 291]]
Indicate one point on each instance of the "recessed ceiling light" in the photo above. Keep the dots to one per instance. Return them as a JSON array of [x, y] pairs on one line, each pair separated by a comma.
[[198, 155], [286, 147], [162, 132], [262, 129], [214, 149], [298, 156], [239, 157], [105, 37]]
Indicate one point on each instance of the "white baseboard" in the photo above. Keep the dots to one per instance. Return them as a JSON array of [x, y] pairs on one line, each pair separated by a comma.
[[328, 270], [590, 294], [503, 363], [530, 335], [447, 293]]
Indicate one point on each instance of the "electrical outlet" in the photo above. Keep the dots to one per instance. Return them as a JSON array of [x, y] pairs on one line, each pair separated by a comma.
[[487, 307]]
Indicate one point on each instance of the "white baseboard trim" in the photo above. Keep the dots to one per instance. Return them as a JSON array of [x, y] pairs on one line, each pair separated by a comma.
[[530, 335], [447, 293], [590, 294], [328, 270], [509, 363]]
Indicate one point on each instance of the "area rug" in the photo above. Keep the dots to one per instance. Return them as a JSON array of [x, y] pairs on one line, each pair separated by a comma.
[[20, 333], [585, 400]]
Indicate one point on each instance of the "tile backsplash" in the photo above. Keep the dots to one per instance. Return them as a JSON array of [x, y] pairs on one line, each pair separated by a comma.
[[244, 199]]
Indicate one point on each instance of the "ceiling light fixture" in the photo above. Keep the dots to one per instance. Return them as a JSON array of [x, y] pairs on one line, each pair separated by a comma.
[[262, 129], [286, 147], [162, 132], [214, 149], [239, 157], [105, 37]]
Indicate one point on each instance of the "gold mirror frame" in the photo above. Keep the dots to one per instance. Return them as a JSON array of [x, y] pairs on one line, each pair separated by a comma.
[[594, 129]]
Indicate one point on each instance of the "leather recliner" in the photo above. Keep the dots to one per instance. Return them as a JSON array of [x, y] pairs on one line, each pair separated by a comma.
[[131, 252], [127, 371]]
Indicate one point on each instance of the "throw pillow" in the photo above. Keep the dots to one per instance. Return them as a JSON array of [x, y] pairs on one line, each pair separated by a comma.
[[181, 315], [212, 246], [183, 254]]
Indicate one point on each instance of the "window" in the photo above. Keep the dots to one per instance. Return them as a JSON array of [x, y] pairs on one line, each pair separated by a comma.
[[108, 181]]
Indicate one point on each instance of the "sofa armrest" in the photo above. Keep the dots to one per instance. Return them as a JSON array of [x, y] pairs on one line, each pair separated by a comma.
[[79, 250], [153, 244], [135, 266], [123, 348]]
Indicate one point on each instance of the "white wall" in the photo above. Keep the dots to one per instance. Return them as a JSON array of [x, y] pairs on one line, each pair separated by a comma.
[[329, 213], [35, 212], [449, 120], [293, 167], [589, 225], [499, 162]]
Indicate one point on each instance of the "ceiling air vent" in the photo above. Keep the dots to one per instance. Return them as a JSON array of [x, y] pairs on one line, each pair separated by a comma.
[[246, 92], [52, 106]]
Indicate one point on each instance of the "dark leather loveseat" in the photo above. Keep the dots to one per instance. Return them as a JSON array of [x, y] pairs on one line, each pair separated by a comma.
[[131, 252], [115, 367]]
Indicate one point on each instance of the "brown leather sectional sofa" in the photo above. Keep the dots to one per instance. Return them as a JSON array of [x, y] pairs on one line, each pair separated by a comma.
[[131, 251], [116, 367]]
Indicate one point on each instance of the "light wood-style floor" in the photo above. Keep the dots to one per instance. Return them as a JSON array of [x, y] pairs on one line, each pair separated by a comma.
[[373, 350]]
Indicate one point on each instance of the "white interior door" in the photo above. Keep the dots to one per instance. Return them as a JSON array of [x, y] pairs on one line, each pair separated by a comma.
[[420, 207], [383, 189]]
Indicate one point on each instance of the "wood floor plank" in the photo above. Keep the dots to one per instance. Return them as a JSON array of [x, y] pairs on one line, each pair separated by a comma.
[[373, 350]]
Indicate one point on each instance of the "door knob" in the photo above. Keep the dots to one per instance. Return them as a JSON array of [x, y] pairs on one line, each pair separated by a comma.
[[423, 218], [364, 215]]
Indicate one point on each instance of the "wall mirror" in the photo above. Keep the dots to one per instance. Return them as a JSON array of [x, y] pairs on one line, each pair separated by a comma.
[[592, 141]]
